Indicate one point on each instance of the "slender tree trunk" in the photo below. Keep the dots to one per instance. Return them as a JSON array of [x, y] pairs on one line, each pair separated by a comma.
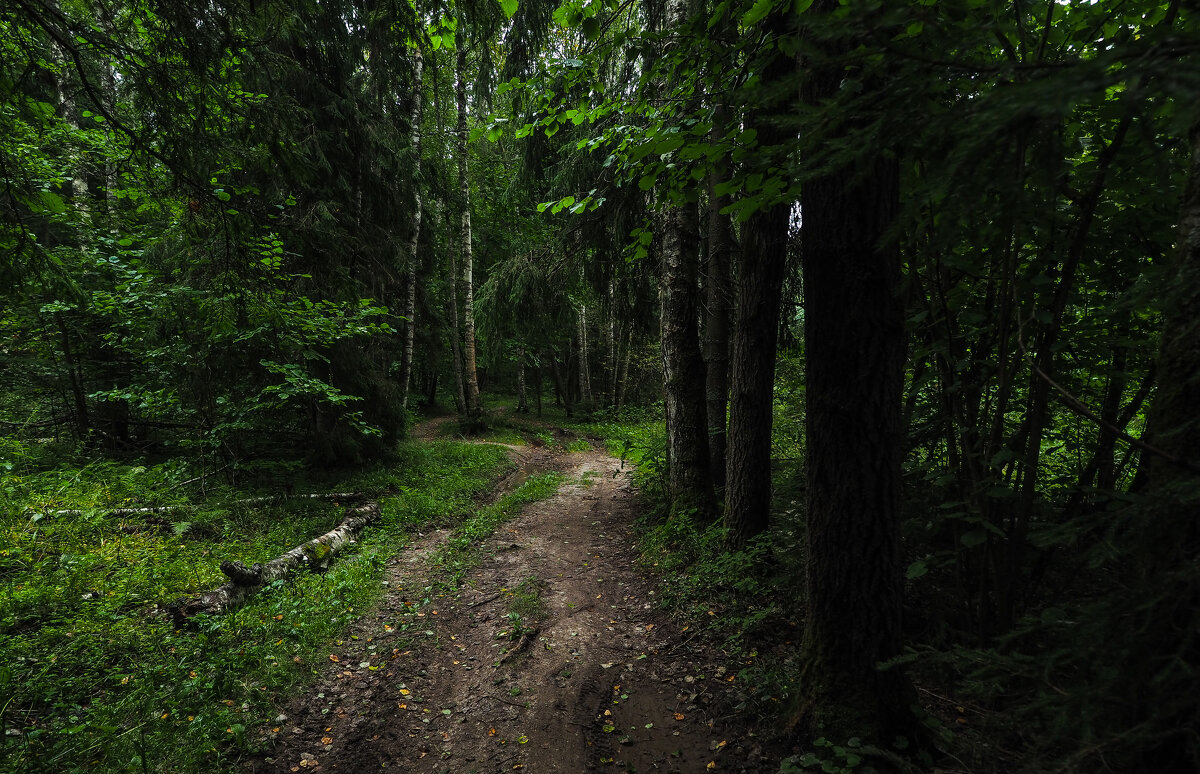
[[854, 338], [522, 403], [410, 301], [610, 347], [464, 191], [756, 328], [585, 377], [623, 375], [718, 302], [460, 400], [537, 375], [560, 385], [75, 379]]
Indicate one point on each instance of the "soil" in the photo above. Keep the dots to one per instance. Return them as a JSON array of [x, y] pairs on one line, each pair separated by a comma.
[[551, 655]]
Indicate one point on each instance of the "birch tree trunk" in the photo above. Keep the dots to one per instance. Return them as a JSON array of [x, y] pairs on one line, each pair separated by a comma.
[[470, 376], [460, 401], [410, 300]]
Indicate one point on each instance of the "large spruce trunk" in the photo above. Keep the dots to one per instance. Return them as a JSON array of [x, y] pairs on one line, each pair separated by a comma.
[[854, 343], [1165, 593]]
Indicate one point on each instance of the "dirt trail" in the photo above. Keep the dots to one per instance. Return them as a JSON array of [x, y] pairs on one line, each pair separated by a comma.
[[595, 678]]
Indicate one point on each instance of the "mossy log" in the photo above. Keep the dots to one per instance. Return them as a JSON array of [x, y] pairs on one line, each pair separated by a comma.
[[245, 581]]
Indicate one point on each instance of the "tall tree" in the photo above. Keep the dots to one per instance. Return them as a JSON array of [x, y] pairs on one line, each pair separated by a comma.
[[718, 301], [854, 370], [683, 361], [470, 374], [761, 268], [410, 296]]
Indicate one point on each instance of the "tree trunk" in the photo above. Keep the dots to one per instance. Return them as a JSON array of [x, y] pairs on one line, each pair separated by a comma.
[[522, 402], [718, 302], [464, 192], [622, 386], [854, 338], [410, 301], [610, 347], [1165, 592], [683, 366], [585, 377], [756, 330], [460, 400]]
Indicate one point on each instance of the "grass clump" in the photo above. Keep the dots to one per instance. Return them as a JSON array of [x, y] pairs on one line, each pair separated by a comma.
[[461, 551]]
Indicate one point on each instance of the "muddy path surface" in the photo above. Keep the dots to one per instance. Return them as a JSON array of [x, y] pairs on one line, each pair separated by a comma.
[[549, 655]]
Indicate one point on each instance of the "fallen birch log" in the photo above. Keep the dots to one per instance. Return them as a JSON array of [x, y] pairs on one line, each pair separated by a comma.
[[245, 581]]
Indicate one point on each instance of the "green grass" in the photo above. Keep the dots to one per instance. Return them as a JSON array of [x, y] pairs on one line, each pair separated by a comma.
[[461, 551], [93, 679]]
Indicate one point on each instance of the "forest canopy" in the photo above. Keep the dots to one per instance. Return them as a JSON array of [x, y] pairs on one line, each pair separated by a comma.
[[909, 289]]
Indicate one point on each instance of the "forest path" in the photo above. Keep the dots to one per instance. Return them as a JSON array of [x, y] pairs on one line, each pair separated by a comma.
[[550, 656]]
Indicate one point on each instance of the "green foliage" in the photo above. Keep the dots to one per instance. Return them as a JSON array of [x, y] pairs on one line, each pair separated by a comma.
[[95, 674], [830, 759]]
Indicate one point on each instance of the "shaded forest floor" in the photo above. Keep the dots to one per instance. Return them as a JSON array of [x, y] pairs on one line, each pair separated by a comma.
[[542, 650]]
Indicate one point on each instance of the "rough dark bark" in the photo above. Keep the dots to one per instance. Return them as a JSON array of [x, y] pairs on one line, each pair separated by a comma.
[[761, 270], [854, 338], [760, 286], [683, 365], [718, 302], [245, 581], [1165, 587], [1173, 413]]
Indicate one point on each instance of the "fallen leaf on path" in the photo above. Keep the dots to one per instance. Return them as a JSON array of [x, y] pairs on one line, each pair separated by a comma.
[[327, 740], [334, 658], [679, 716], [491, 732]]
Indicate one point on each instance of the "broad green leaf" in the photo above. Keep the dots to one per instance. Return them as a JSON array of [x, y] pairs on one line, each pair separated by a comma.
[[757, 12], [52, 202], [509, 7]]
